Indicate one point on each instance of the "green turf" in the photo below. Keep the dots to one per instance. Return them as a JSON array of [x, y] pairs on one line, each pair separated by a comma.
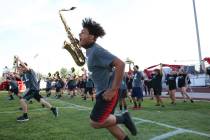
[[73, 120]]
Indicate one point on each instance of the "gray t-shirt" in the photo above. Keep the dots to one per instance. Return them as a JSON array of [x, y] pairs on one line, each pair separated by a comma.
[[138, 76], [30, 80], [98, 61]]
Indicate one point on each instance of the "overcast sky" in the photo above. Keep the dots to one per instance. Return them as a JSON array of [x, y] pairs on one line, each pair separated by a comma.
[[147, 31]]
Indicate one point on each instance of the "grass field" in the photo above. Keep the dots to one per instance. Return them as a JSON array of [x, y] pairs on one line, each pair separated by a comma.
[[184, 121]]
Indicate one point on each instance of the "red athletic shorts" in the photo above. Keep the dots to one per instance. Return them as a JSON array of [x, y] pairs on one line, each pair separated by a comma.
[[102, 109]]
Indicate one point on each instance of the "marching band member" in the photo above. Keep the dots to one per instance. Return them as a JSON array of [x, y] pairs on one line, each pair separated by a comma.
[[32, 91]]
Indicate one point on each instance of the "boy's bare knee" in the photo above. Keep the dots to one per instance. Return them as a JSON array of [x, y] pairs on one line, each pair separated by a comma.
[[95, 125]]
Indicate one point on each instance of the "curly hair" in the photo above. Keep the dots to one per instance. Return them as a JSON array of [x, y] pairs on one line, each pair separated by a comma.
[[93, 27]]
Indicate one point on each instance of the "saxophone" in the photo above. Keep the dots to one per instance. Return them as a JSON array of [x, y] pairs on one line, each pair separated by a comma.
[[15, 64], [73, 47]]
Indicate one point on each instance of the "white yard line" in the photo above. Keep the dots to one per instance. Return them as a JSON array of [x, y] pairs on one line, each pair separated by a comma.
[[154, 122], [67, 103], [174, 127], [139, 122], [40, 109], [169, 134]]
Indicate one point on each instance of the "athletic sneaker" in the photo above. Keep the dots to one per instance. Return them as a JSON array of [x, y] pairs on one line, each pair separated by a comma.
[[48, 95], [11, 99], [134, 108], [58, 97], [173, 103], [22, 119], [129, 123], [54, 111]]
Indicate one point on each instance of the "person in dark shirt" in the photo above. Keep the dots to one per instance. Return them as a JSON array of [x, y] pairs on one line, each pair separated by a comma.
[[123, 95], [59, 86], [13, 87], [171, 82], [183, 81], [157, 85], [81, 85], [129, 81], [89, 85], [71, 85], [48, 85], [32, 91]]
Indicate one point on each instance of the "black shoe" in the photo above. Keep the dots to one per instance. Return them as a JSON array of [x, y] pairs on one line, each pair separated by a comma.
[[58, 97], [43, 106], [22, 119], [55, 112], [129, 123], [191, 101], [30, 102], [173, 103], [48, 95], [20, 108]]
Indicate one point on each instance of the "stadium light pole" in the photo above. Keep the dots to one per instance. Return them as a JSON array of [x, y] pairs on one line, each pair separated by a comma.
[[198, 39]]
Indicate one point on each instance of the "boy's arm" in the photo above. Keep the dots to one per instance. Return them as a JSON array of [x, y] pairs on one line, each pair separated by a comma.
[[119, 72], [21, 63]]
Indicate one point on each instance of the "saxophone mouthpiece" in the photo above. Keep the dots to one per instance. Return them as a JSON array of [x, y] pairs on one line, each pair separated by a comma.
[[72, 8]]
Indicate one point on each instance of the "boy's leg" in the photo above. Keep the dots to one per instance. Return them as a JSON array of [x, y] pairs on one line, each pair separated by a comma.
[[101, 117], [24, 107]]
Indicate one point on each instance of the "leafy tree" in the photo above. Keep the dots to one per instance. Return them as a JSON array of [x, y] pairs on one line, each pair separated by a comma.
[[1, 79], [63, 72]]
